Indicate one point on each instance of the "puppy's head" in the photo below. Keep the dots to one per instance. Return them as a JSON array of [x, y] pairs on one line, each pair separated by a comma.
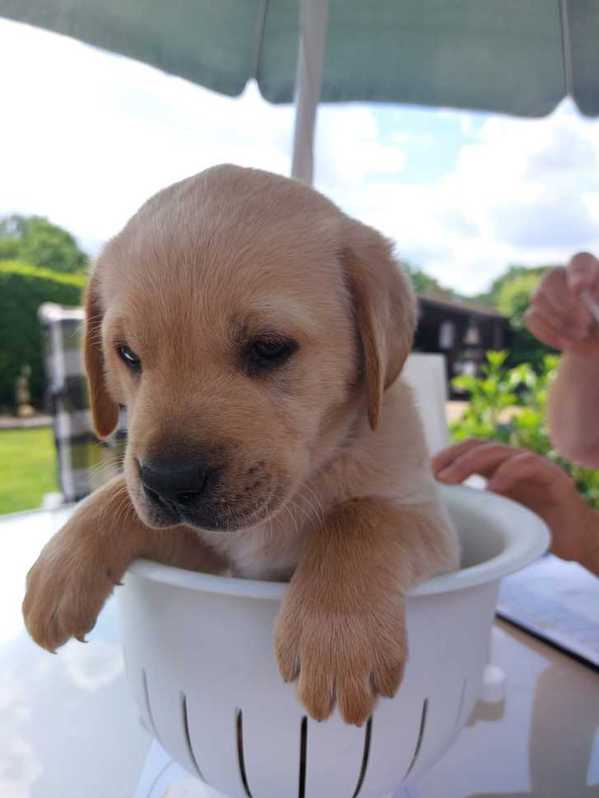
[[248, 326]]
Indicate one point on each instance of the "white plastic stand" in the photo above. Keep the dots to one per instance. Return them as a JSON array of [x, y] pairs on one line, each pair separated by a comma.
[[164, 778]]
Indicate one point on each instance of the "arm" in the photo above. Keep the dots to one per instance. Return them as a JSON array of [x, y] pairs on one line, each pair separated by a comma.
[[79, 567], [341, 627], [560, 316], [590, 543], [574, 409]]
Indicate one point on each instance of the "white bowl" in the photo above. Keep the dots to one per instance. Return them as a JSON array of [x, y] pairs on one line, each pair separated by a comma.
[[200, 664]]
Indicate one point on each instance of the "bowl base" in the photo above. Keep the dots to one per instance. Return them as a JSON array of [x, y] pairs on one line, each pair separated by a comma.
[[163, 778]]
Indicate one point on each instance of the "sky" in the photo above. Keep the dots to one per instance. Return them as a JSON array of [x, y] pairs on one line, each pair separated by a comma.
[[87, 136]]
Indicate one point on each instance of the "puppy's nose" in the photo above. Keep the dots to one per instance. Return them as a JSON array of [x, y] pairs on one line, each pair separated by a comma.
[[174, 481]]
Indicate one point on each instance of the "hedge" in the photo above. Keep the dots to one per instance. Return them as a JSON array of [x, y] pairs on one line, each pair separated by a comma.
[[23, 288]]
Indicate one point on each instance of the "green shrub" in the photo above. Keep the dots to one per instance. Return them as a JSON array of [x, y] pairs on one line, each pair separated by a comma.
[[35, 240], [23, 288], [509, 405], [510, 294]]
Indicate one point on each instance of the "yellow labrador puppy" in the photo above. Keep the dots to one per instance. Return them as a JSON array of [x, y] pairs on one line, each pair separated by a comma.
[[253, 331]]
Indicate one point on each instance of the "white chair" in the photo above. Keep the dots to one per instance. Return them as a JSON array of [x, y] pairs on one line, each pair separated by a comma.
[[426, 375]]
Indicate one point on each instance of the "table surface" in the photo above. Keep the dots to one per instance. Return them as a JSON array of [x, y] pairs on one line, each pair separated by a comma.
[[69, 728]]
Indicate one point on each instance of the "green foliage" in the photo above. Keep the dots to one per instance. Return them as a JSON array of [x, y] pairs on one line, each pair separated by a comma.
[[425, 284], [23, 288], [496, 295], [489, 395], [35, 240], [509, 405], [513, 297], [511, 294]]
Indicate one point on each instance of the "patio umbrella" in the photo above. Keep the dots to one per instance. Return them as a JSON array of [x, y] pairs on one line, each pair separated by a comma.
[[519, 57]]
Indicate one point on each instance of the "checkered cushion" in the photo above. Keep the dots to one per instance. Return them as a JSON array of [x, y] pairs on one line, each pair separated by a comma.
[[84, 463]]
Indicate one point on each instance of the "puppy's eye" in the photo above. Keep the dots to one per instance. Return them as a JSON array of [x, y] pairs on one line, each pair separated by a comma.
[[264, 354], [129, 357]]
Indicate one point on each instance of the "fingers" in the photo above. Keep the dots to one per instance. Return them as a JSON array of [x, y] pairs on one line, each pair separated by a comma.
[[557, 315], [591, 303], [583, 273], [473, 457], [445, 457], [505, 467], [543, 329], [524, 466], [569, 319], [554, 287]]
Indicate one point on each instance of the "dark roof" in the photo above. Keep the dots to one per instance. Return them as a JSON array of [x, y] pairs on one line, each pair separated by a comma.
[[461, 306]]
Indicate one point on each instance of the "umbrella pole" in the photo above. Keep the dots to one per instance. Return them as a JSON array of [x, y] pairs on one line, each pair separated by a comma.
[[312, 42]]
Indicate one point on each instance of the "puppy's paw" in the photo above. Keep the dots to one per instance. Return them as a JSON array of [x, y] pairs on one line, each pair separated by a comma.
[[66, 589], [348, 658]]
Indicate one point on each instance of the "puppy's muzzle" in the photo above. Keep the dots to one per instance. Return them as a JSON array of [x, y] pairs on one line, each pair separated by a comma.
[[176, 486], [207, 489]]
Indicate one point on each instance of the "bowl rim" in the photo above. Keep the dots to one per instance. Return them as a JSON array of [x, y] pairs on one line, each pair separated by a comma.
[[526, 538]]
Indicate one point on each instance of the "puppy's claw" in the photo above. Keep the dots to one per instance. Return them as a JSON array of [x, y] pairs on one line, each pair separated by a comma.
[[386, 681], [59, 605], [289, 663], [356, 704]]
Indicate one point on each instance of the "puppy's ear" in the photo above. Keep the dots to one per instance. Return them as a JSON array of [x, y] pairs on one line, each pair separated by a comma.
[[105, 411], [384, 308]]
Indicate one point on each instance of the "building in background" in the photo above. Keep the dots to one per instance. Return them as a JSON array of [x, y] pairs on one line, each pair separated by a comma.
[[461, 331]]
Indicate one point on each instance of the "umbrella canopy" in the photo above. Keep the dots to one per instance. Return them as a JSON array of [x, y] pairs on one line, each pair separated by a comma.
[[518, 57]]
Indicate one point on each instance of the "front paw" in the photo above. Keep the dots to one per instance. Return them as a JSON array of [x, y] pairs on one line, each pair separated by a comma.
[[66, 589], [344, 658]]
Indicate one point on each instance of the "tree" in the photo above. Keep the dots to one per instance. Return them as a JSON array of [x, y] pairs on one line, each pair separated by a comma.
[[423, 283], [35, 240], [511, 293], [511, 275]]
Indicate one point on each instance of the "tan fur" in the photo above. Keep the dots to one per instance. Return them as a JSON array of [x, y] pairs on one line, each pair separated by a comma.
[[327, 478], [104, 410], [79, 567]]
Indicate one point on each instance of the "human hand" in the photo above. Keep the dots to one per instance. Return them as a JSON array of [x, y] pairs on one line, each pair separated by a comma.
[[561, 310], [531, 480]]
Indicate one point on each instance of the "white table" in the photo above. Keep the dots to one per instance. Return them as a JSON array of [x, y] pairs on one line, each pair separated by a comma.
[[68, 728]]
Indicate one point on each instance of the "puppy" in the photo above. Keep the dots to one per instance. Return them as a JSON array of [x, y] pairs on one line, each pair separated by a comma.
[[254, 331]]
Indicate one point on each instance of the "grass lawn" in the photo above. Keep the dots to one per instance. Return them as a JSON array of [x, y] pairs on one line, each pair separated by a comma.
[[27, 468]]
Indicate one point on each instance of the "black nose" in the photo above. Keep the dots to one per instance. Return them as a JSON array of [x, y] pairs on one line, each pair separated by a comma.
[[174, 482]]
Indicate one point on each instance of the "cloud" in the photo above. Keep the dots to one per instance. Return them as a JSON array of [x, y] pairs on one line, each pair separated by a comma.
[[529, 187], [518, 191], [92, 135], [350, 151], [549, 222]]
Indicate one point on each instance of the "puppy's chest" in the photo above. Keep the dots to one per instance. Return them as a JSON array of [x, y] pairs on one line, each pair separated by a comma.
[[264, 553]]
